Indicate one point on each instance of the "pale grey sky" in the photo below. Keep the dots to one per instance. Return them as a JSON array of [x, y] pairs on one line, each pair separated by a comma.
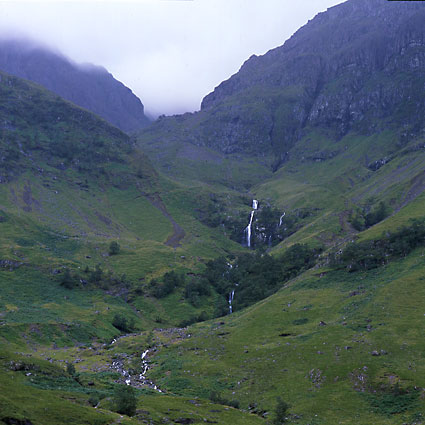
[[171, 53]]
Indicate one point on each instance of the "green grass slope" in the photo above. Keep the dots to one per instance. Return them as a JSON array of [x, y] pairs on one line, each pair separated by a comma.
[[70, 185], [339, 347]]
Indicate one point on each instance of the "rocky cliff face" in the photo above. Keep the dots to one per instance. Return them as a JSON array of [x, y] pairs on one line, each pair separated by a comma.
[[88, 86], [360, 66]]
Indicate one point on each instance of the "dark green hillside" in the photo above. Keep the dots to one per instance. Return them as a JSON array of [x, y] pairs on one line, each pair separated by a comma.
[[72, 185], [337, 346], [38, 125]]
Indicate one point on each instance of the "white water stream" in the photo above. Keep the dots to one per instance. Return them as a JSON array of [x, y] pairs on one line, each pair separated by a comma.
[[281, 218], [248, 229], [231, 297], [140, 380], [145, 368]]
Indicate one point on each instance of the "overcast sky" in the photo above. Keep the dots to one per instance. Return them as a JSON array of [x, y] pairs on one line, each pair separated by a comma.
[[171, 53]]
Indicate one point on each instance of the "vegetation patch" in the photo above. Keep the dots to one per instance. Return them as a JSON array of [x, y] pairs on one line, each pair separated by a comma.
[[368, 255], [392, 401]]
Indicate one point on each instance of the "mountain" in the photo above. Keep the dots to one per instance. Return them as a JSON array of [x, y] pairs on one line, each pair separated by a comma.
[[357, 67], [91, 87], [238, 275], [320, 127]]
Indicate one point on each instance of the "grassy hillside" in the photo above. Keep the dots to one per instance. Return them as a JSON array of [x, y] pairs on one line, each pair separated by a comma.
[[70, 185], [339, 347]]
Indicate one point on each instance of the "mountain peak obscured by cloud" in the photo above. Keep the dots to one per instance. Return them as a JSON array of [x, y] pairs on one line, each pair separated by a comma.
[[171, 53]]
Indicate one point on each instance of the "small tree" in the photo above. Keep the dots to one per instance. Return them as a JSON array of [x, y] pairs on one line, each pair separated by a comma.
[[122, 323], [114, 248], [281, 411], [68, 281], [70, 368], [125, 400]]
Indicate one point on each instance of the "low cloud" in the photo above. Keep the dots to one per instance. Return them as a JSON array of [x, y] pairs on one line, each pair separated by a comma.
[[171, 53]]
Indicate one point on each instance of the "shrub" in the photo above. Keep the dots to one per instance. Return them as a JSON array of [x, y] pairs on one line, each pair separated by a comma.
[[217, 398], [368, 255], [70, 368], [280, 412], [255, 276], [196, 288], [96, 274], [93, 400], [114, 248], [122, 323], [68, 281], [171, 280], [125, 400], [366, 216]]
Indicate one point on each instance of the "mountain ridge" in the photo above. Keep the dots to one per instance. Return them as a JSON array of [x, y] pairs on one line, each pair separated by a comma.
[[89, 86], [346, 70]]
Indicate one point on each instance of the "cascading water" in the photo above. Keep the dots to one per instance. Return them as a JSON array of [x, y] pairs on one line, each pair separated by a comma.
[[145, 368], [248, 229], [231, 296], [281, 218], [139, 380]]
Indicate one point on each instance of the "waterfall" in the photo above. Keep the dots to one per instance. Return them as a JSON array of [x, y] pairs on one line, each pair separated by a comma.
[[231, 296], [145, 365], [248, 229], [145, 368], [281, 218]]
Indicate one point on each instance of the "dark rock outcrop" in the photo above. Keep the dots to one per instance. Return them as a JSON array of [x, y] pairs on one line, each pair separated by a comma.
[[91, 87]]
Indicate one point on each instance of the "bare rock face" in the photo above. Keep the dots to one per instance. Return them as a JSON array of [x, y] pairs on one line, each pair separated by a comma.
[[88, 86], [360, 66]]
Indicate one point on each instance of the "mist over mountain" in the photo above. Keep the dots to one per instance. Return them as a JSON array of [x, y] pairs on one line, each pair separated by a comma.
[[89, 86]]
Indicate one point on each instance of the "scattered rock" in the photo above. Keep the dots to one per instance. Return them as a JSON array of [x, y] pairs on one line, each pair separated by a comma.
[[10, 264], [184, 421]]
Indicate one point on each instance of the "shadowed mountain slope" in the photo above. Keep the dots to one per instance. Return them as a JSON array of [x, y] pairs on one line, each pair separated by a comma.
[[357, 67]]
